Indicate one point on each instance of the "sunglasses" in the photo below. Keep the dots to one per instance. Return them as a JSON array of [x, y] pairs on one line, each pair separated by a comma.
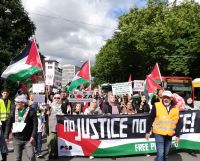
[[56, 97]]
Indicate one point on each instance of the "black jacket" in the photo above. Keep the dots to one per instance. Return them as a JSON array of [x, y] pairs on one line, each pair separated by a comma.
[[145, 108], [107, 108], [30, 128], [65, 103], [154, 100]]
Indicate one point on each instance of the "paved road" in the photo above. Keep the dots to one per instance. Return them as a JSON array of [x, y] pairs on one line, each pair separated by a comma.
[[175, 156]]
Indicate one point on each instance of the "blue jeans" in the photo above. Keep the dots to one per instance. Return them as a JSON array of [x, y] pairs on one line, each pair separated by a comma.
[[162, 145], [38, 142]]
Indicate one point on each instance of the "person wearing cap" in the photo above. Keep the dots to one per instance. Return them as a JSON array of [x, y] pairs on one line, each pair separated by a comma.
[[23, 122], [5, 108], [165, 123]]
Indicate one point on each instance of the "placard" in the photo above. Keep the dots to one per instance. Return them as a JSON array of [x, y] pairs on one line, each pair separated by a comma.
[[81, 96], [122, 88], [40, 98], [39, 88], [138, 85]]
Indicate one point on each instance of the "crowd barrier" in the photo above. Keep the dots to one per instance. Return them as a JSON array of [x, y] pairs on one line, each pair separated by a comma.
[[118, 135]]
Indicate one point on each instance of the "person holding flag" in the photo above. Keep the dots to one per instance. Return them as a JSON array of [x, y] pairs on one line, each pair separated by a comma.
[[157, 97]]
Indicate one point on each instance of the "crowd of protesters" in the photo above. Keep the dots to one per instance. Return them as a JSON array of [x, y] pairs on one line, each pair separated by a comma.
[[29, 121]]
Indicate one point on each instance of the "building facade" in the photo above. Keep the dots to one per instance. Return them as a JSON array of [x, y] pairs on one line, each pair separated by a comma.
[[69, 71], [52, 66]]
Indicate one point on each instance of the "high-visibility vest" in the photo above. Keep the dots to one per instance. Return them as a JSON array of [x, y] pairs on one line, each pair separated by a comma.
[[4, 112], [165, 122]]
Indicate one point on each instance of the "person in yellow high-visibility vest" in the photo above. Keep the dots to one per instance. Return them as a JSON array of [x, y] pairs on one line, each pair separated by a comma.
[[5, 108], [165, 123]]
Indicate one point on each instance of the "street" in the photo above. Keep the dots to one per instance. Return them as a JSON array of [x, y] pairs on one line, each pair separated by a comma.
[[174, 156]]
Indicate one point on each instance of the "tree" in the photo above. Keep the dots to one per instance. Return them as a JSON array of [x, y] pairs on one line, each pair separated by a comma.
[[15, 30], [161, 32], [108, 63]]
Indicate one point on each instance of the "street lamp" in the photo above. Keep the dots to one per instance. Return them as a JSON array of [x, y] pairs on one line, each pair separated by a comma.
[[117, 31]]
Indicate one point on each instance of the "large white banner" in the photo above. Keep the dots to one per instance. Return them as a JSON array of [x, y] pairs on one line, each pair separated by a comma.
[[118, 135], [122, 88]]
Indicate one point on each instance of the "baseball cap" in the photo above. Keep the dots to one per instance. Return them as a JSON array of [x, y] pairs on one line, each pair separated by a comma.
[[21, 98], [167, 93]]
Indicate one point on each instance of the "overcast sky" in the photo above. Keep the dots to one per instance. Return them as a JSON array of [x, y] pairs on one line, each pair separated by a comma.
[[72, 31]]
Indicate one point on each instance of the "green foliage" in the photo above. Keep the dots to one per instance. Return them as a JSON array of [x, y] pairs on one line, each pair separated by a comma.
[[15, 30], [165, 33]]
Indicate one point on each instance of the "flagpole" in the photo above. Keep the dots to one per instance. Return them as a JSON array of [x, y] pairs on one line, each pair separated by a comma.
[[43, 72], [159, 71]]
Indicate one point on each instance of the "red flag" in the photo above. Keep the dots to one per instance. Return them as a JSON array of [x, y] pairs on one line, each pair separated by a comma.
[[155, 74], [23, 88], [85, 71], [33, 56], [129, 79], [151, 85]]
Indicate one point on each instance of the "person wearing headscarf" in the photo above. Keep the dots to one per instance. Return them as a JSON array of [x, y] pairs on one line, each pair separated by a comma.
[[111, 106], [93, 109], [55, 109]]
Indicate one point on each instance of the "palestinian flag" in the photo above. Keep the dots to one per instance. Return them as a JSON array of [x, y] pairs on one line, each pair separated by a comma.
[[155, 74], [24, 65], [150, 87], [81, 77]]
